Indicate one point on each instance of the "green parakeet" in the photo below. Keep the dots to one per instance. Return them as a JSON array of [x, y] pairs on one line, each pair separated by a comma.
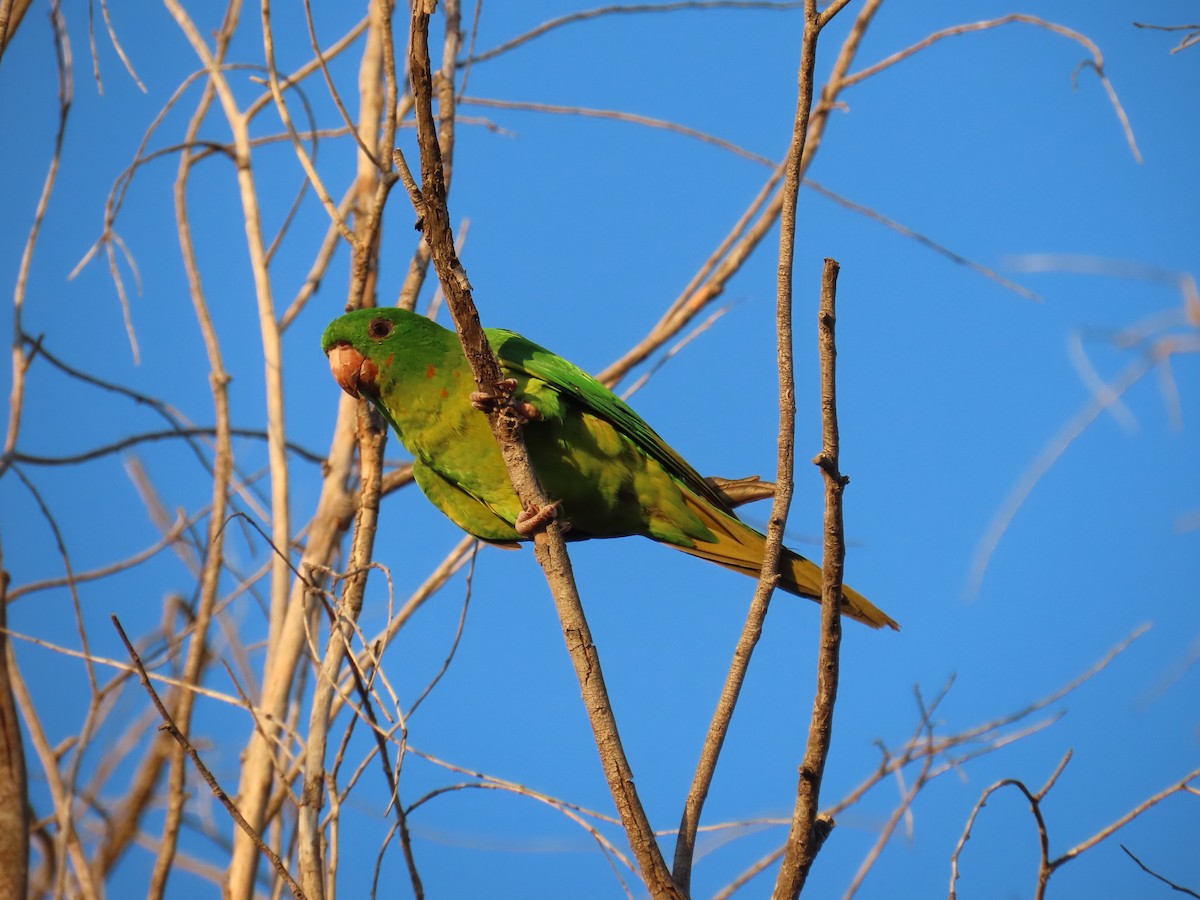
[[611, 474]]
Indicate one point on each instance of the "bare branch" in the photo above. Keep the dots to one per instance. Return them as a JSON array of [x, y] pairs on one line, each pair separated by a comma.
[[11, 14], [620, 116], [549, 547], [171, 729], [14, 789], [1183, 785], [1172, 885], [923, 240], [60, 794], [1055, 448], [372, 433], [623, 9], [1189, 40], [809, 830], [1096, 63]]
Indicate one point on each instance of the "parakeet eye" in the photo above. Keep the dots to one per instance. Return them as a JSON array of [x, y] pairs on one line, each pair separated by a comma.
[[379, 328]]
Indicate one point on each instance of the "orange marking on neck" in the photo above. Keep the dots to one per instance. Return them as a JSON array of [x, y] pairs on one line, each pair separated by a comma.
[[387, 363], [431, 371], [445, 393]]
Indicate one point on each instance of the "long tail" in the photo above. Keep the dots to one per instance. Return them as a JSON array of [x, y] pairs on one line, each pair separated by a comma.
[[740, 547]]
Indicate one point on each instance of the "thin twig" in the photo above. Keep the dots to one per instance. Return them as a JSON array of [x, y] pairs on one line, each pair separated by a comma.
[[624, 9], [171, 729], [1096, 63], [1183, 785], [809, 829], [923, 240], [1189, 40], [620, 116], [1168, 882], [1049, 455], [808, 832], [135, 439]]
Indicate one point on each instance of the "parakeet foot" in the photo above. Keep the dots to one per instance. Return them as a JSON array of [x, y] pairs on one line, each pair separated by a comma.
[[531, 519], [486, 403], [526, 411]]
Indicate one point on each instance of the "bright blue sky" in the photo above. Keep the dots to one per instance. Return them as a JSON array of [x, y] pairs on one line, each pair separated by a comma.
[[581, 232]]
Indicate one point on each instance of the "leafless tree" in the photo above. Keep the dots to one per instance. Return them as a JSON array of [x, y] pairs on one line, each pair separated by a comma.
[[275, 637]]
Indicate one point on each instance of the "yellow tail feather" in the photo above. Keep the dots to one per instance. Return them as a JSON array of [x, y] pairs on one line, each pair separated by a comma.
[[740, 547]]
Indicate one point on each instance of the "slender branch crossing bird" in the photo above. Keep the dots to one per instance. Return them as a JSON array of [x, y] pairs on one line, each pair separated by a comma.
[[610, 474]]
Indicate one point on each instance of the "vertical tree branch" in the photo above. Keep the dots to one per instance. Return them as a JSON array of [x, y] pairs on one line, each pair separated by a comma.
[[14, 792], [799, 154], [377, 79], [549, 547], [378, 92], [807, 831], [372, 437], [14, 800], [222, 473], [22, 359], [60, 794], [281, 653], [239, 124]]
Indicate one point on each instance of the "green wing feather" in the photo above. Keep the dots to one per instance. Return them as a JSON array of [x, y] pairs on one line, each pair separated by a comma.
[[519, 355], [734, 545]]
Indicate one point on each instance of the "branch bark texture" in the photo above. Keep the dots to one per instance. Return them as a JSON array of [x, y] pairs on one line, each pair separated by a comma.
[[808, 831], [549, 546]]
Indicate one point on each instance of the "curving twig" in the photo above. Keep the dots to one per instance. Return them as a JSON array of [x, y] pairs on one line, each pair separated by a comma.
[[1096, 63], [1047, 866], [66, 91], [1168, 882], [623, 9]]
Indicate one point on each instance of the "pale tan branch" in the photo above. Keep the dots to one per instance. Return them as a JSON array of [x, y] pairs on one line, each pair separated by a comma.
[[1184, 785], [12, 13], [625, 9], [923, 240], [619, 116], [285, 116], [1096, 63]]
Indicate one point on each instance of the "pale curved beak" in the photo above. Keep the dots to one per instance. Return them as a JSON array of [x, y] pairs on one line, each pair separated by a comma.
[[352, 371]]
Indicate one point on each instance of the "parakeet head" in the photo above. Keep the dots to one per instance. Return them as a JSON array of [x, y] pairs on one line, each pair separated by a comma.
[[358, 343]]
